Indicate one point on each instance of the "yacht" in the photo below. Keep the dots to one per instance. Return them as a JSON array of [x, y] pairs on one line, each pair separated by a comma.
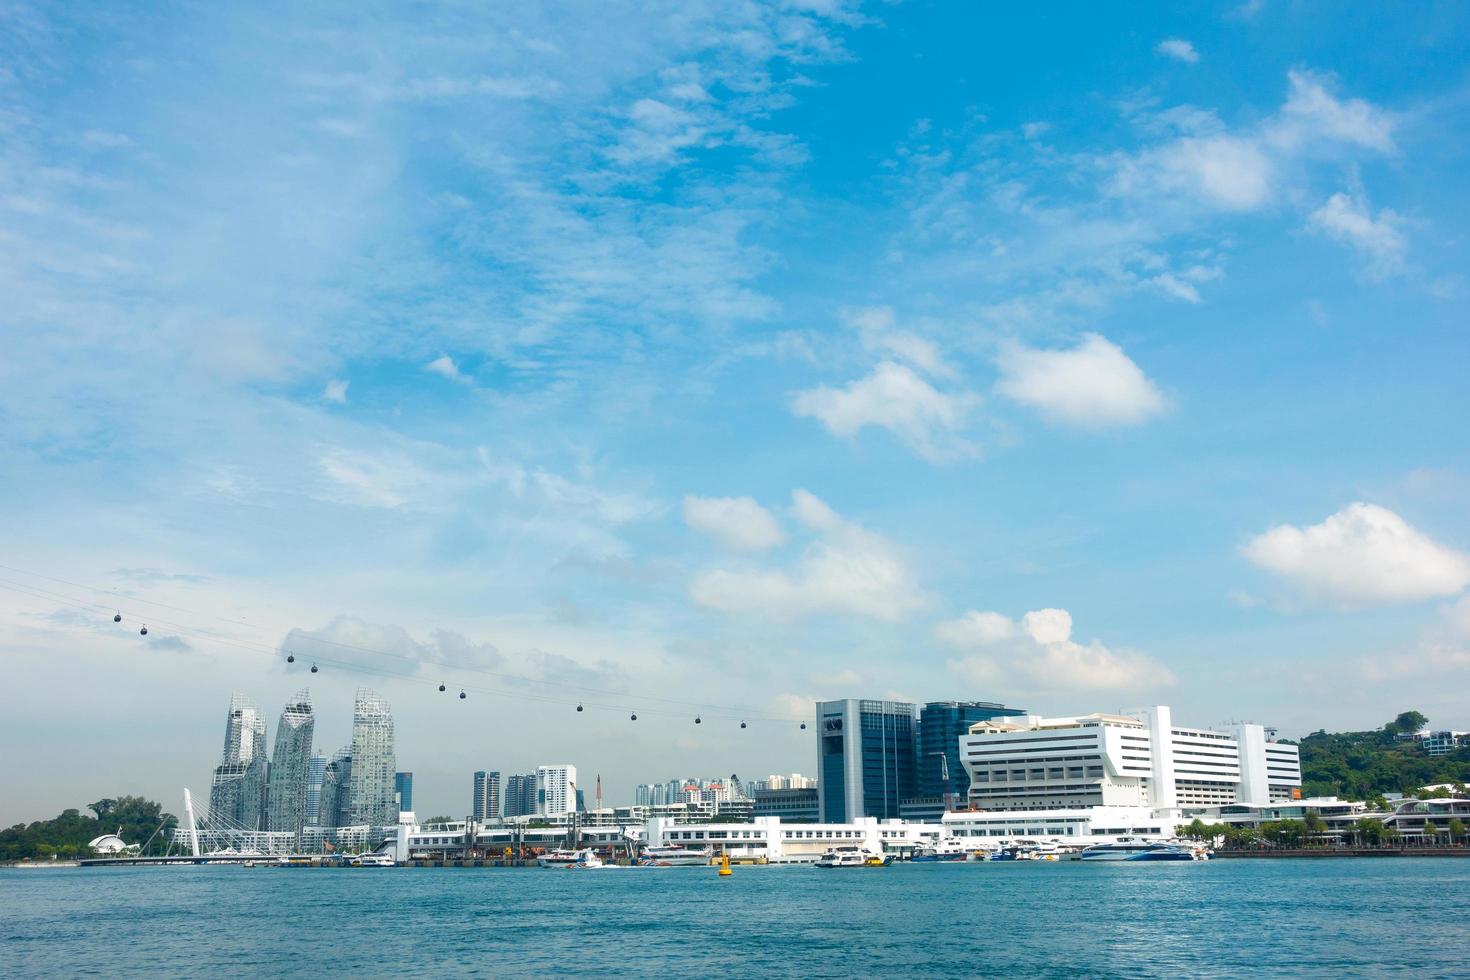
[[1142, 850], [945, 849], [672, 855], [850, 856], [567, 858]]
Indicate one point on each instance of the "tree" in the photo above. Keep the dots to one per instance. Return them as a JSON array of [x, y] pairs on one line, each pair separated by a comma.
[[1409, 722], [1457, 830], [1314, 822]]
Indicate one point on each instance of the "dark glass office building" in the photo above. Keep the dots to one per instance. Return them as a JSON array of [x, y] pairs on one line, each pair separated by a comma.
[[866, 758], [941, 725]]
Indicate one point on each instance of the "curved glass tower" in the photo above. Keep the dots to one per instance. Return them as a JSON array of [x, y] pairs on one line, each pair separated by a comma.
[[372, 800], [290, 766]]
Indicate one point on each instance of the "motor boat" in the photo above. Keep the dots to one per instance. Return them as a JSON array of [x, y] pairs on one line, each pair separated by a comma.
[[568, 858], [850, 856], [673, 856], [374, 860], [945, 849], [1142, 850]]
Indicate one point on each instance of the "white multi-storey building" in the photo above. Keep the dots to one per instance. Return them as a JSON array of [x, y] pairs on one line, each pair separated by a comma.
[[1034, 763], [556, 790]]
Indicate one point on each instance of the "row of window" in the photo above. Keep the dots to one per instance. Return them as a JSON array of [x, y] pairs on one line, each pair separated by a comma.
[[1045, 774]]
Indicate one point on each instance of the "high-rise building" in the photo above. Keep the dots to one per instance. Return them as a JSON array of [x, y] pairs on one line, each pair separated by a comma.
[[403, 790], [866, 758], [486, 805], [237, 793], [556, 790], [941, 726], [1034, 763], [315, 769], [520, 795], [373, 766], [290, 766], [336, 787]]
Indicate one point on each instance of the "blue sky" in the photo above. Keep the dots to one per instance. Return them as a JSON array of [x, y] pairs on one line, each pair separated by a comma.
[[723, 352]]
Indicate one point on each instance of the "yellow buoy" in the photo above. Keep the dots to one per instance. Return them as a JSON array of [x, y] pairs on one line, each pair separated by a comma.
[[725, 865]]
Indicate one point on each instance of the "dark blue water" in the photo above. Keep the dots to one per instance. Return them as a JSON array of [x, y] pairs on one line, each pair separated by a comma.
[[1330, 918]]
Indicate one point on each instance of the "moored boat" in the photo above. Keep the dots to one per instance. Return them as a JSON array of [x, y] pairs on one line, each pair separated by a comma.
[[672, 856], [1141, 850], [851, 856], [568, 858], [945, 849]]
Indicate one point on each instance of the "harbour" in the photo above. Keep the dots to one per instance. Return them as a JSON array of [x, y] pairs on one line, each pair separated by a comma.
[[1218, 918]]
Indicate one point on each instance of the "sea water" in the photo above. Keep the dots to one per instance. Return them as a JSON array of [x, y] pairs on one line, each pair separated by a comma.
[[1224, 918]]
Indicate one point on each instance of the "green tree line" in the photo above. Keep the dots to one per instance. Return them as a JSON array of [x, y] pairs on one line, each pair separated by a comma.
[[67, 835], [1367, 765]]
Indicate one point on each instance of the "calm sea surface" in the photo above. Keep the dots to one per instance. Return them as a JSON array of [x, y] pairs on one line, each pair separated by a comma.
[[1331, 918]]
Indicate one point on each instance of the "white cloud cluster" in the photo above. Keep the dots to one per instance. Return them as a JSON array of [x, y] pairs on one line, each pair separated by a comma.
[[384, 647], [846, 570], [736, 522], [1348, 219], [896, 395], [1179, 49], [897, 398], [1361, 554], [1039, 650], [1242, 171], [1092, 385]]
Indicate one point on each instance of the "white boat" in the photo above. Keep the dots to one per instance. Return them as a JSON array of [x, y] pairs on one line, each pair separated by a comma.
[[374, 860], [1142, 850], [671, 856], [851, 856], [568, 858], [944, 849]]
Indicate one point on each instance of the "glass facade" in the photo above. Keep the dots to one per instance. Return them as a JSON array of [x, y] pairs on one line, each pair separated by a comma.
[[371, 790], [315, 769], [867, 753], [403, 789], [237, 793], [290, 766], [941, 725]]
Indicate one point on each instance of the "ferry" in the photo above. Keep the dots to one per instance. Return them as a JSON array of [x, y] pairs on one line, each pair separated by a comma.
[[852, 856], [374, 860], [1140, 850], [674, 856], [946, 849], [567, 858]]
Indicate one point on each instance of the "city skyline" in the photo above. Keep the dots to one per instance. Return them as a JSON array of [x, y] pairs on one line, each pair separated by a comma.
[[723, 354]]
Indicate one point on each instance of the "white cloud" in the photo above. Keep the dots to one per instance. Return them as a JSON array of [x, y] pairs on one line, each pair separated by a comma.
[[1349, 220], [976, 629], [736, 522], [847, 570], [877, 328], [1092, 385], [896, 398], [1241, 170], [1361, 554], [1312, 111], [336, 391], [1040, 650], [1179, 49], [445, 367]]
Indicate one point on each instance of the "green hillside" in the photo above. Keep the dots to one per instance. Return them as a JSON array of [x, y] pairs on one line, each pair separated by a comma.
[[1365, 765]]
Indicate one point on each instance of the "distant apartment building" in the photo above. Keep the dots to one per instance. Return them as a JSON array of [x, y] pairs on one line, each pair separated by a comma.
[[315, 769], [519, 798], [371, 793], [485, 803], [237, 792], [1033, 763], [290, 770], [556, 790]]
